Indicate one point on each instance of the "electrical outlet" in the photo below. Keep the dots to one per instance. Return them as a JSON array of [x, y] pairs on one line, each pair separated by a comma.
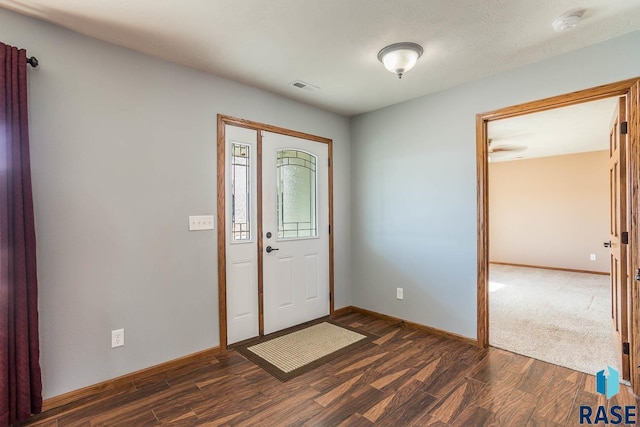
[[399, 293], [117, 338], [593, 257]]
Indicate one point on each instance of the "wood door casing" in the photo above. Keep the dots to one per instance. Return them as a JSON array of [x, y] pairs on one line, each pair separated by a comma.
[[221, 211], [618, 226], [629, 88]]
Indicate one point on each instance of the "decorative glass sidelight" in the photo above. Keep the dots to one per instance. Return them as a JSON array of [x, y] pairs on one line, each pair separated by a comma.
[[297, 194], [240, 192]]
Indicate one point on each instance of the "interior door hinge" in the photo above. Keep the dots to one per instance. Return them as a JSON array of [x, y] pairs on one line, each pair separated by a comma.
[[331, 297], [625, 348], [624, 238], [624, 128], [329, 161], [329, 229]]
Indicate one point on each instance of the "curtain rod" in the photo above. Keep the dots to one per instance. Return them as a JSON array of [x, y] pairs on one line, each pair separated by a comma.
[[33, 61]]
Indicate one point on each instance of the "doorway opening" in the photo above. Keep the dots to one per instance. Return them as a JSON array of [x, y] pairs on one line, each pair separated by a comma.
[[549, 192], [628, 89]]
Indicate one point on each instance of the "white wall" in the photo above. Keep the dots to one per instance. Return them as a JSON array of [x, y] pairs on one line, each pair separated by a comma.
[[123, 150], [414, 184], [551, 211]]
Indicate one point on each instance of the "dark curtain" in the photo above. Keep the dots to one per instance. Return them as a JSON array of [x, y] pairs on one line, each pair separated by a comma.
[[20, 382]]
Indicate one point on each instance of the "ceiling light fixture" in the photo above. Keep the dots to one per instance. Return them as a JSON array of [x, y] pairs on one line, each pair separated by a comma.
[[400, 57], [568, 21]]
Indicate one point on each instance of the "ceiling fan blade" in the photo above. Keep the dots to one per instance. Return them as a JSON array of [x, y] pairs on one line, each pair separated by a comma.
[[507, 149]]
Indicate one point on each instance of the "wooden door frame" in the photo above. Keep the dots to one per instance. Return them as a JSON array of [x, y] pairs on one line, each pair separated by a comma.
[[626, 88], [224, 120]]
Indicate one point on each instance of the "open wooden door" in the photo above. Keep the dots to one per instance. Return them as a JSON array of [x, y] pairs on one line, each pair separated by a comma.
[[633, 138], [619, 236]]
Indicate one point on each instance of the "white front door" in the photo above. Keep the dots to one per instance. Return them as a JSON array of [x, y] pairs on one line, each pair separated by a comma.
[[295, 225]]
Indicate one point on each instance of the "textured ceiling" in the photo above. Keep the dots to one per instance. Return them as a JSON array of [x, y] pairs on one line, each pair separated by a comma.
[[575, 129], [333, 44]]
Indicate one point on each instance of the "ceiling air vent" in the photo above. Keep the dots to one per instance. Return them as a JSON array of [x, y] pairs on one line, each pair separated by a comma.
[[308, 87]]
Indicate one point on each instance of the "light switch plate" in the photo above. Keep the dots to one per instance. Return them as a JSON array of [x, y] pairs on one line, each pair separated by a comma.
[[201, 222]]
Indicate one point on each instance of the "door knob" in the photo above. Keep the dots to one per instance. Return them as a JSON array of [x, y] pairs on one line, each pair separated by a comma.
[[607, 244], [270, 249]]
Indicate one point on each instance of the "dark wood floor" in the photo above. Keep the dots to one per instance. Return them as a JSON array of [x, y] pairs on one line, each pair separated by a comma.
[[404, 378]]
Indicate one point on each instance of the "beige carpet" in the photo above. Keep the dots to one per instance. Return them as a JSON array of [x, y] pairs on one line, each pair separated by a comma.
[[558, 317], [287, 354]]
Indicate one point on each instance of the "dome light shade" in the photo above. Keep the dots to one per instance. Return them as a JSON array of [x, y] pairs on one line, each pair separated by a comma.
[[400, 57]]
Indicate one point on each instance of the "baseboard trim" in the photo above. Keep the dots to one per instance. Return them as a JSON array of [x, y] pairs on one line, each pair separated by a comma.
[[418, 326], [344, 310], [571, 270], [92, 390]]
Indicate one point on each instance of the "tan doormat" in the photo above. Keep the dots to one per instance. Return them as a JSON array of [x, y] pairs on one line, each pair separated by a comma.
[[287, 354]]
